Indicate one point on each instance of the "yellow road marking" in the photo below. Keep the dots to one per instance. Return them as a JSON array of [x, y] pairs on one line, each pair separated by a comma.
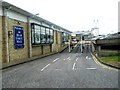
[[104, 66]]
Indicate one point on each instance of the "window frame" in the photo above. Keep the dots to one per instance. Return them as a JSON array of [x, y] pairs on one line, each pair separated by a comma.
[[65, 37], [47, 36], [51, 35], [33, 34]]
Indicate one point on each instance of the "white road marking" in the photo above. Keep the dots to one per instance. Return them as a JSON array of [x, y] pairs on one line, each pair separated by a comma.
[[76, 59], [91, 68], [68, 58], [89, 58], [45, 67], [73, 66], [58, 69], [64, 59], [104, 66], [86, 57], [75, 46], [55, 60]]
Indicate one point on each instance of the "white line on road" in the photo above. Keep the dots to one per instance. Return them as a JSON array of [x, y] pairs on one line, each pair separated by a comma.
[[104, 66], [73, 66], [89, 58], [76, 59], [75, 46], [58, 69], [91, 68], [86, 57], [55, 60], [64, 59], [45, 67], [68, 58]]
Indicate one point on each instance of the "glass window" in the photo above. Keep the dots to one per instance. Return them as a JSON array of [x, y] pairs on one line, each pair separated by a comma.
[[65, 37], [51, 36], [33, 34], [43, 36], [47, 35], [37, 34]]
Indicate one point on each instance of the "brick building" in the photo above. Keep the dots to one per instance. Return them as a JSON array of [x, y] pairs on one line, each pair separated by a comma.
[[25, 36]]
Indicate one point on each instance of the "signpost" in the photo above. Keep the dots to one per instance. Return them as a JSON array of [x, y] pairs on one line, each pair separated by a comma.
[[18, 37]]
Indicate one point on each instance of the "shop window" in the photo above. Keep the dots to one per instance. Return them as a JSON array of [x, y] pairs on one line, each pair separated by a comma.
[[33, 34], [51, 36], [37, 34], [41, 34], [65, 37], [47, 35]]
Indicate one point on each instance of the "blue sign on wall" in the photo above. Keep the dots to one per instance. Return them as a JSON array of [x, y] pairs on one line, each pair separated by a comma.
[[18, 37]]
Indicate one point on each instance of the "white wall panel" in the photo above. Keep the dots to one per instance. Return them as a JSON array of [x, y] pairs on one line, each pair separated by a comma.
[[34, 21], [17, 16], [1, 13], [44, 24]]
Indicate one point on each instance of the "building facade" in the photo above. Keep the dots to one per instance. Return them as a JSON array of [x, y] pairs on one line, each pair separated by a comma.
[[24, 36]]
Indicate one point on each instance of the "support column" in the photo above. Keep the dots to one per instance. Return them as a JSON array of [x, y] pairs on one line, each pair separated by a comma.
[[93, 47], [59, 41], [1, 40], [29, 38], [99, 49], [5, 48]]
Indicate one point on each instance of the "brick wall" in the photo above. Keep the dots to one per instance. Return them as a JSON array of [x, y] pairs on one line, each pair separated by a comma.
[[4, 49], [46, 49], [59, 46], [0, 39], [17, 54], [36, 51], [40, 50], [54, 45]]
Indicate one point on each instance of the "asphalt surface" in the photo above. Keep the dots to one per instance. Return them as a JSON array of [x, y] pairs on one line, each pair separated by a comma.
[[62, 70]]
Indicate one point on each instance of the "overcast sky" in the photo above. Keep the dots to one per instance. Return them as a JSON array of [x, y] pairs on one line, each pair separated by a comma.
[[75, 15]]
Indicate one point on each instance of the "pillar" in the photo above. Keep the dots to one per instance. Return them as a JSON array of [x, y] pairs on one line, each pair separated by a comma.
[[29, 38], [5, 47]]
